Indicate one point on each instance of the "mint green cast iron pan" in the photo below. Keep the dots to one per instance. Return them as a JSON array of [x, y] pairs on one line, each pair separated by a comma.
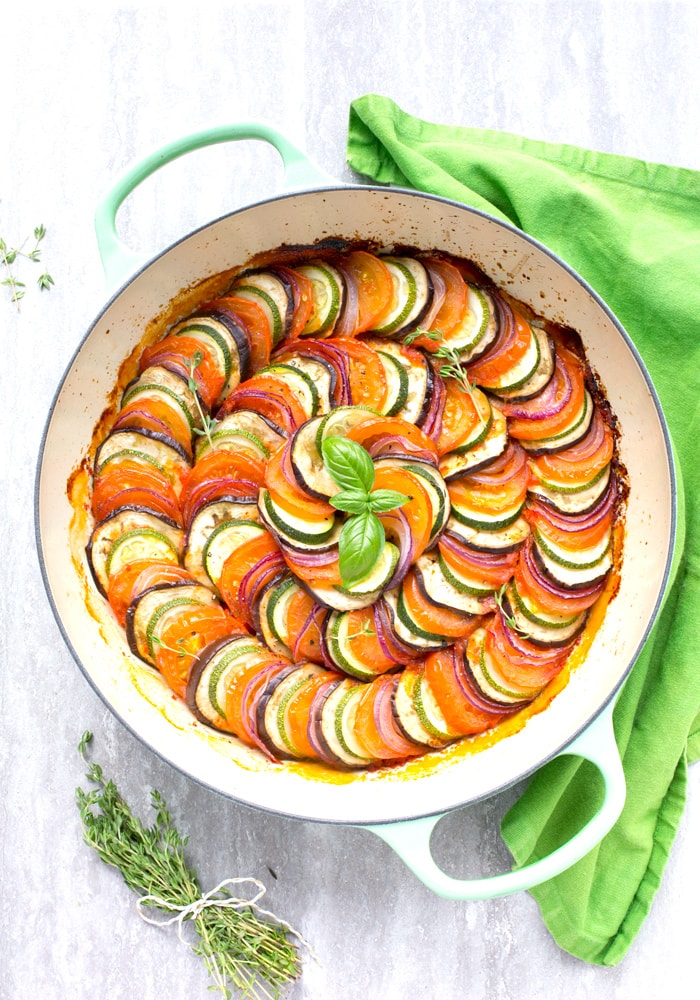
[[402, 807]]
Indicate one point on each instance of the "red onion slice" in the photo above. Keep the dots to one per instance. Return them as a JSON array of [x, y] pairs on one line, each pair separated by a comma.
[[552, 400]]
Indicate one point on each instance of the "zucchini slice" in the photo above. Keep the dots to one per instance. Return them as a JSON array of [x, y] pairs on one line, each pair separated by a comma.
[[413, 294], [209, 677], [407, 629], [127, 535], [420, 380], [156, 382], [527, 387], [335, 726], [164, 455], [300, 384], [272, 611], [207, 525], [222, 541], [273, 295], [322, 376], [328, 290], [489, 446], [440, 590], [296, 530], [417, 712], [155, 608], [397, 384], [272, 706], [479, 326]]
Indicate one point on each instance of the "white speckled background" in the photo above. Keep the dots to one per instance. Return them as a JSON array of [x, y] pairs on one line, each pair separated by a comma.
[[88, 88]]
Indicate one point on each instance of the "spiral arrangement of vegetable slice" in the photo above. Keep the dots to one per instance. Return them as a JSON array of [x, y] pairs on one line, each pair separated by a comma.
[[216, 543]]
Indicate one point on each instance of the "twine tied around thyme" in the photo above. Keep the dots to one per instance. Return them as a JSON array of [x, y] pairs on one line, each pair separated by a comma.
[[190, 911]]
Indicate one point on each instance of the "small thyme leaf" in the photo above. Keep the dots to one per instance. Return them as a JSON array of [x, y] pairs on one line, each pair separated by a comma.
[[364, 629]]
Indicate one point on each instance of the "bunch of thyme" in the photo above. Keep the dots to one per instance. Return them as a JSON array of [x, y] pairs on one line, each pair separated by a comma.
[[242, 945]]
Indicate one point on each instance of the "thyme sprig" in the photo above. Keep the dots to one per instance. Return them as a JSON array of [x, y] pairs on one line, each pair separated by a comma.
[[453, 367], [208, 422], [242, 946], [9, 256], [500, 595]]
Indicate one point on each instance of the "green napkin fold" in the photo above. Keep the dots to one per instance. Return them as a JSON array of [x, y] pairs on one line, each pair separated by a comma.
[[632, 231]]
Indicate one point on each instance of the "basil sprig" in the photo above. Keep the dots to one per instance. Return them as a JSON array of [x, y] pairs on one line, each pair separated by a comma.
[[362, 538]]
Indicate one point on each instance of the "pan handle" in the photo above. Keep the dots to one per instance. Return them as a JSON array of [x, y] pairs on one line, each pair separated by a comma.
[[118, 260], [411, 839]]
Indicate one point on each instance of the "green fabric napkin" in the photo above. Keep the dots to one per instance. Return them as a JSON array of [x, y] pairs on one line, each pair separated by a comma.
[[632, 230]]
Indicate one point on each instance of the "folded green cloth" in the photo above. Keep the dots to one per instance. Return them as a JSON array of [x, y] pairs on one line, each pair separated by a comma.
[[632, 230]]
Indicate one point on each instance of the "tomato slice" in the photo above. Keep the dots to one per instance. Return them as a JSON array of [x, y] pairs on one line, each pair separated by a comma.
[[137, 484], [183, 638], [525, 672], [491, 492], [459, 417], [245, 558], [582, 461], [376, 427], [375, 289], [375, 725], [159, 417], [293, 499], [364, 644], [419, 508], [181, 353], [503, 357], [255, 664], [567, 379], [225, 463], [319, 574], [304, 622], [446, 676], [455, 302], [428, 616], [368, 385], [120, 589], [252, 319]]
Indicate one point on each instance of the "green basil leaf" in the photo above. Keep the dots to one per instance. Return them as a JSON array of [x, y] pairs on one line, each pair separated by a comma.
[[348, 464], [351, 501], [383, 500], [360, 547]]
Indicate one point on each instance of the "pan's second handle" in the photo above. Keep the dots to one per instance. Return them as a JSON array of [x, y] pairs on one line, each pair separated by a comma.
[[411, 840], [118, 259]]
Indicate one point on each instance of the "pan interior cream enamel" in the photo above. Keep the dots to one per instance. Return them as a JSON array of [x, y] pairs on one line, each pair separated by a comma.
[[452, 777]]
